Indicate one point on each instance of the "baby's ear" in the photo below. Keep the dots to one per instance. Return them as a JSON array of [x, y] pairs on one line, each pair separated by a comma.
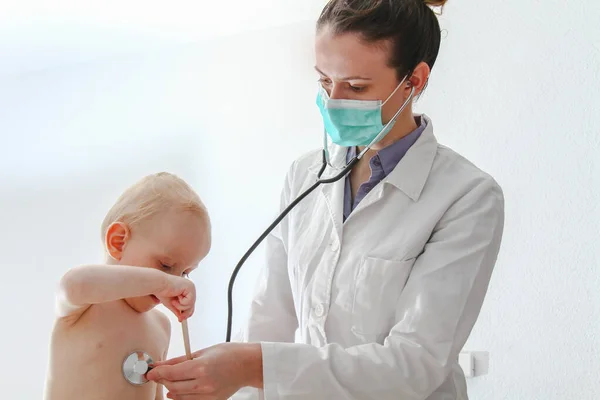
[[117, 236]]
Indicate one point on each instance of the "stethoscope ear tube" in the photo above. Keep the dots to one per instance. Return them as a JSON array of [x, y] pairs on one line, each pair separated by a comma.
[[277, 220]]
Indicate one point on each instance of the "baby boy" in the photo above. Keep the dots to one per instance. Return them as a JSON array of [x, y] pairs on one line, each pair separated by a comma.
[[154, 236]]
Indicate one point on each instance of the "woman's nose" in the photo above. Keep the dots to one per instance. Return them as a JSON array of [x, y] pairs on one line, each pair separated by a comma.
[[336, 92]]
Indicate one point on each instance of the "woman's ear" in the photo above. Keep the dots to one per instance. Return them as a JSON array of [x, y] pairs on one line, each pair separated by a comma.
[[419, 78], [116, 239]]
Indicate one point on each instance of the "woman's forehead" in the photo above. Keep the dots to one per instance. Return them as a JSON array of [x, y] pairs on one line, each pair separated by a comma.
[[344, 55]]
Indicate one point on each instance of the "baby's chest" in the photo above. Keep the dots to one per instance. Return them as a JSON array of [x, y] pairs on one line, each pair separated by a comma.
[[118, 335], [130, 338]]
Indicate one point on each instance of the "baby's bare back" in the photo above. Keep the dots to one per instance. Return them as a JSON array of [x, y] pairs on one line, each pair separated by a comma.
[[86, 356]]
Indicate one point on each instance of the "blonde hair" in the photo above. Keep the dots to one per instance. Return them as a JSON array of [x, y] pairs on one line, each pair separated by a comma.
[[150, 195]]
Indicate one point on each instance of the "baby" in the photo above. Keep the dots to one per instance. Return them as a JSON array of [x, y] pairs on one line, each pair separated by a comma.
[[154, 236]]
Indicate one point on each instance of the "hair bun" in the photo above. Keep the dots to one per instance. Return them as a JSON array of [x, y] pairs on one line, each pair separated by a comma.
[[435, 3]]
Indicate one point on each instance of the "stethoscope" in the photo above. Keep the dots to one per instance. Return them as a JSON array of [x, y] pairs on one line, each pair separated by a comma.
[[138, 363], [344, 171]]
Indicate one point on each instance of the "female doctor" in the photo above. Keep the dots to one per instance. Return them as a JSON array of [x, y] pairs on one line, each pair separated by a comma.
[[384, 272]]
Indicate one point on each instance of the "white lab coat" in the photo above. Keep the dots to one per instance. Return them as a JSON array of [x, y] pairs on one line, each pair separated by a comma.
[[384, 301]]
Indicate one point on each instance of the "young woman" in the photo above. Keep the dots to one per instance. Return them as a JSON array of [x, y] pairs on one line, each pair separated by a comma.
[[384, 273]]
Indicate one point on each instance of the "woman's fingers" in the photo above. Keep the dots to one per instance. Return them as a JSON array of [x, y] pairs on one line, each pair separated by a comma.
[[175, 361], [174, 396], [192, 386], [172, 371]]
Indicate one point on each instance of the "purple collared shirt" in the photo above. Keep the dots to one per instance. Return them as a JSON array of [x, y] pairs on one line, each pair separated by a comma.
[[381, 165]]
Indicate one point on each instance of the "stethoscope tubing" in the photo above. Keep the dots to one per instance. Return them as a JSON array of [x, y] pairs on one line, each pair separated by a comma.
[[277, 220]]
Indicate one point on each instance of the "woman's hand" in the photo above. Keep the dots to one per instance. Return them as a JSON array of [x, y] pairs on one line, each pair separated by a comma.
[[215, 373]]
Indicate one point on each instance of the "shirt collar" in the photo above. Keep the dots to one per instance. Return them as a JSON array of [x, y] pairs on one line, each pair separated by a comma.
[[391, 155]]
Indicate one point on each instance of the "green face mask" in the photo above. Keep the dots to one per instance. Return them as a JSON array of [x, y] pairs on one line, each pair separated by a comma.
[[354, 122]]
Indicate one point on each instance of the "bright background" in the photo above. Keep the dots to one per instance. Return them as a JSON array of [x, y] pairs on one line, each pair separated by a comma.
[[94, 95]]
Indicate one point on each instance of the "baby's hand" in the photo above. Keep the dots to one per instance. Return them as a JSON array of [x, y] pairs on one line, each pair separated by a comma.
[[179, 296]]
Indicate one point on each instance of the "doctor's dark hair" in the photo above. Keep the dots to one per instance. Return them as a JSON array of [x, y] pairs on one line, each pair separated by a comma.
[[410, 26]]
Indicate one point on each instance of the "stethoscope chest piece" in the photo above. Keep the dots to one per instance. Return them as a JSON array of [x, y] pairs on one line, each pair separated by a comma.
[[135, 367]]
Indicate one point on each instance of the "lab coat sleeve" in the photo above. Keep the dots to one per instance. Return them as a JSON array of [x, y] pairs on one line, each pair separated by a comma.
[[435, 314], [272, 314]]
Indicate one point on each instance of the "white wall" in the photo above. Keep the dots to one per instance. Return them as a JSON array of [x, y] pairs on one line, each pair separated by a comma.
[[514, 90], [517, 92]]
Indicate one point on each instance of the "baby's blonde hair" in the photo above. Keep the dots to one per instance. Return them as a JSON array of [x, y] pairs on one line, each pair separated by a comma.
[[152, 194]]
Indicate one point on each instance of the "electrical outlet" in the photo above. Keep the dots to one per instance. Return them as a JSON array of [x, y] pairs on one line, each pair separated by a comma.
[[467, 363]]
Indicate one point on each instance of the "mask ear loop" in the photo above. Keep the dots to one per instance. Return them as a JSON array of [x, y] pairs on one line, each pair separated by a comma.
[[384, 130]]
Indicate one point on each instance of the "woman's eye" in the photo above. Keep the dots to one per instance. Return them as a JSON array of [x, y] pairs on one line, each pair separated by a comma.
[[324, 81], [357, 89], [166, 267]]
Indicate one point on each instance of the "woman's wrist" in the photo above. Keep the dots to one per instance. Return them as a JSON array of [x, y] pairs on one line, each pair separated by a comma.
[[252, 364]]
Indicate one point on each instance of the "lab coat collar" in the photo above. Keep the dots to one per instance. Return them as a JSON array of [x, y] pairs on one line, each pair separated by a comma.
[[411, 173]]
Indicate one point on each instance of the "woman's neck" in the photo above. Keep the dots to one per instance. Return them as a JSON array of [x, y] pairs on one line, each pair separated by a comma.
[[405, 124]]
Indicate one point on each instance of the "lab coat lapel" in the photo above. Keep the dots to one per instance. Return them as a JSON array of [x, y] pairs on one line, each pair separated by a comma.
[[370, 199], [333, 193], [334, 198]]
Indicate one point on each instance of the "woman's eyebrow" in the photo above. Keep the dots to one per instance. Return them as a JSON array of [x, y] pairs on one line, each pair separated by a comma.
[[346, 78]]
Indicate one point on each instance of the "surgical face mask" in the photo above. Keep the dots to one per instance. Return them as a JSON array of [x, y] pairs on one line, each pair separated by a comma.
[[354, 122]]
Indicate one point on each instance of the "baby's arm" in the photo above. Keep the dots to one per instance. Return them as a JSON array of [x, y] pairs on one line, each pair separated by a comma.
[[84, 286]]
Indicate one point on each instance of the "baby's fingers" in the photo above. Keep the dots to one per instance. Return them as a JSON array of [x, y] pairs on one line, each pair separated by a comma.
[[187, 299], [183, 311], [179, 305], [186, 314], [172, 308]]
